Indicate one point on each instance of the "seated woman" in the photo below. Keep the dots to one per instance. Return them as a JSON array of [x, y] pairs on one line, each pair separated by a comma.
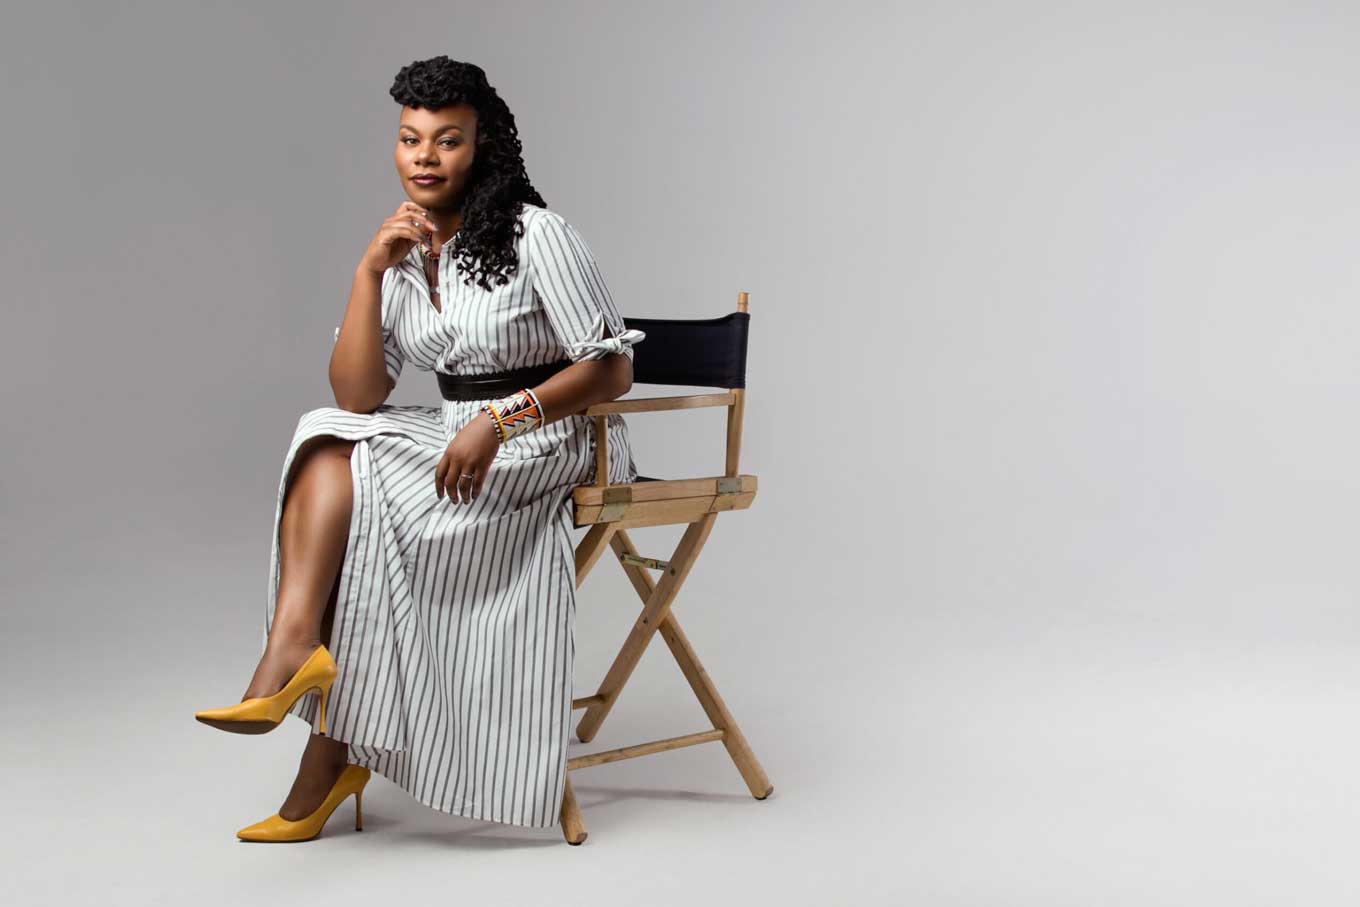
[[429, 547]]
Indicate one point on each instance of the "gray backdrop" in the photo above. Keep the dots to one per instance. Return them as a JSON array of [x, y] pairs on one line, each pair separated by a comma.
[[1047, 596]]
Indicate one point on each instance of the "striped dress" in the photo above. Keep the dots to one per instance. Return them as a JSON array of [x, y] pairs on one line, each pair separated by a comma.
[[453, 626]]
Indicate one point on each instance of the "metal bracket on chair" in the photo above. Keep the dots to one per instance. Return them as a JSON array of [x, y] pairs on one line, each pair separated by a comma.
[[649, 562], [729, 484], [615, 501]]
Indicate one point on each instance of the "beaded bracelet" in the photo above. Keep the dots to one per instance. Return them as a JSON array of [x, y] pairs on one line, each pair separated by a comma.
[[515, 414]]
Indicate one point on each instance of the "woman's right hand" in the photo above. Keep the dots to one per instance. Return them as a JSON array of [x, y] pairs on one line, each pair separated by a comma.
[[408, 225]]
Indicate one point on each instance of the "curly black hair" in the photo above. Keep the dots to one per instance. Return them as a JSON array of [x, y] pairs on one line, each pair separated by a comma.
[[484, 246]]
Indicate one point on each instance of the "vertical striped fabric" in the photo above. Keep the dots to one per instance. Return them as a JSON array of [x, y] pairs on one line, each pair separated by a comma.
[[453, 629]]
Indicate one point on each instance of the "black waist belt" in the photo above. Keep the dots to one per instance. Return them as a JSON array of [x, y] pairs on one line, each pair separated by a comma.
[[496, 384]]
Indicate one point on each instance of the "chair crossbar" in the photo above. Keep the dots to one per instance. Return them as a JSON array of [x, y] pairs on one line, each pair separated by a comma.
[[644, 749]]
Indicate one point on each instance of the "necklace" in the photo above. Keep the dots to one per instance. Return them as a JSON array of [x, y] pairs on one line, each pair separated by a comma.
[[432, 274], [430, 259]]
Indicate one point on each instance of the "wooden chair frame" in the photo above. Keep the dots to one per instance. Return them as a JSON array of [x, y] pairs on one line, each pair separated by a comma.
[[610, 510]]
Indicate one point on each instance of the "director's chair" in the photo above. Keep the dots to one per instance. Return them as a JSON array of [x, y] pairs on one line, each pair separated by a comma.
[[696, 353]]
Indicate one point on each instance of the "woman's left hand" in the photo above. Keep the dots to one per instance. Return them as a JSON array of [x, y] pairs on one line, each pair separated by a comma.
[[471, 451]]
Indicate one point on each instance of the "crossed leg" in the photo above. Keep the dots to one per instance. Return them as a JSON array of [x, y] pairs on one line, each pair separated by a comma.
[[313, 533]]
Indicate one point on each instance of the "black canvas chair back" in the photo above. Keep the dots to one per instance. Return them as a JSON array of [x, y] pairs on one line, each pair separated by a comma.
[[698, 352]]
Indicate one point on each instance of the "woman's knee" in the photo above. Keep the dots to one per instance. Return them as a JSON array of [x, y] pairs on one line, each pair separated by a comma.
[[315, 449], [324, 445]]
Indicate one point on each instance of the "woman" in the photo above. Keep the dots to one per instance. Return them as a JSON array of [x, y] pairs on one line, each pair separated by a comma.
[[429, 547]]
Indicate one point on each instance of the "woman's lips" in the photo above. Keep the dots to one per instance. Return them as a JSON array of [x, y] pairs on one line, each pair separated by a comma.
[[427, 180]]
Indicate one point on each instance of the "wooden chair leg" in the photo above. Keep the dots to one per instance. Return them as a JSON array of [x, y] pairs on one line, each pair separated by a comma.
[[656, 617], [573, 829], [657, 604], [704, 688], [715, 708], [591, 547]]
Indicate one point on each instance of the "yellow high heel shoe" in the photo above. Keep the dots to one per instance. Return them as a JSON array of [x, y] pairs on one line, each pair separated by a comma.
[[261, 714], [278, 829]]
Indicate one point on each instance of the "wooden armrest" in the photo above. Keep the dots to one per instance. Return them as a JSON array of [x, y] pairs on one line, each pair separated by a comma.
[[659, 404]]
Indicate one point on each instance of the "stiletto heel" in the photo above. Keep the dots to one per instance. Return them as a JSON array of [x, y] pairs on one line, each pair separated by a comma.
[[278, 829], [261, 714]]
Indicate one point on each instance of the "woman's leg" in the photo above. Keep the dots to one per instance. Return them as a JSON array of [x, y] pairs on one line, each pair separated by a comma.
[[313, 533]]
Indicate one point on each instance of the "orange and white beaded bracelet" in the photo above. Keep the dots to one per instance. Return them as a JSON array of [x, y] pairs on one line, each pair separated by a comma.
[[515, 414]]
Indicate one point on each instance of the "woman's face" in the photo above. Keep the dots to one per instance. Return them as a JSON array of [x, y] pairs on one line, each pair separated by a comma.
[[438, 142]]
